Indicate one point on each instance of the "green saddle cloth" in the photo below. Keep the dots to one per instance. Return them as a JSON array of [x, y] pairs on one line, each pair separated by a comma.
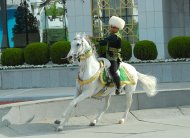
[[124, 77]]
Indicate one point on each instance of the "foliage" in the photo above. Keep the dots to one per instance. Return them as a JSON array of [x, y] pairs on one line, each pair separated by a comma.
[[145, 50], [179, 47], [126, 50], [54, 35], [101, 51], [59, 50], [12, 57], [53, 11], [25, 21], [36, 53]]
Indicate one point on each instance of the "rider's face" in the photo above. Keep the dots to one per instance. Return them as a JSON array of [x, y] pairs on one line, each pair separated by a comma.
[[114, 29]]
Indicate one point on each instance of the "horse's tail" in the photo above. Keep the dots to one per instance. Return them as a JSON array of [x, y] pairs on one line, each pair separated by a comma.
[[149, 84]]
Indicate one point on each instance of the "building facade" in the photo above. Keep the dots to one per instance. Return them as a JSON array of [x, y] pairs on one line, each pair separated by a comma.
[[158, 20], [155, 20]]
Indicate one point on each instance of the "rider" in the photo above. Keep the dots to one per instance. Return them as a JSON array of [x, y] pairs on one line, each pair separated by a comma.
[[113, 42]]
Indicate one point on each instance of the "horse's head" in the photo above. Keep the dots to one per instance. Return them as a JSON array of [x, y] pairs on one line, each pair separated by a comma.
[[79, 48]]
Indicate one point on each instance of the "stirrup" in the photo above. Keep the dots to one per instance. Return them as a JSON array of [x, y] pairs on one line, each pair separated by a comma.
[[108, 82], [108, 78]]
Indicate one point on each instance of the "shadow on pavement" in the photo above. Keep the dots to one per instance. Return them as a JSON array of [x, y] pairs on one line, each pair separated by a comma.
[[37, 129]]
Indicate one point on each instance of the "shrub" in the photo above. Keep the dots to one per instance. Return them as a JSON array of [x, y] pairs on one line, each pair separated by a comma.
[[101, 51], [36, 53], [12, 57], [179, 47], [59, 50], [126, 50], [145, 50]]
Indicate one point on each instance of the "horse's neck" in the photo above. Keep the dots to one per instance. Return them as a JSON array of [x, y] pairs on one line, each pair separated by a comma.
[[88, 67]]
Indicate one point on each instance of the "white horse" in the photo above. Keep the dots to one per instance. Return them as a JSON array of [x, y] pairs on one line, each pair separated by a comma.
[[89, 84]]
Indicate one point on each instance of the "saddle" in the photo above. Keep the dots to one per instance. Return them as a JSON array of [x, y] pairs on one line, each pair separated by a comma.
[[107, 81], [106, 78]]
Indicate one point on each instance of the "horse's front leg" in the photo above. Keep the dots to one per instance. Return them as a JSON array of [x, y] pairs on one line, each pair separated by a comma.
[[99, 116], [68, 111], [78, 92]]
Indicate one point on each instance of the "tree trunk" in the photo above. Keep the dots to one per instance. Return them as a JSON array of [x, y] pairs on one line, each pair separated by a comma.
[[3, 4]]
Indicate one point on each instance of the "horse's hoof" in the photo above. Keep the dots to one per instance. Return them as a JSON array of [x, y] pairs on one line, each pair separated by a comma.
[[118, 91], [92, 124], [60, 128], [121, 121], [57, 122]]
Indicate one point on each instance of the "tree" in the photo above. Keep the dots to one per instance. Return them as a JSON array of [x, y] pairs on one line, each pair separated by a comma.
[[26, 23]]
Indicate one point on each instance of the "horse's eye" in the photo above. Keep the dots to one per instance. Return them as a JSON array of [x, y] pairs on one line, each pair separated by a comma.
[[78, 44]]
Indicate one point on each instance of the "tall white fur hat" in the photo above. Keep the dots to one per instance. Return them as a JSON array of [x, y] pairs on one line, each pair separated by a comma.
[[117, 22]]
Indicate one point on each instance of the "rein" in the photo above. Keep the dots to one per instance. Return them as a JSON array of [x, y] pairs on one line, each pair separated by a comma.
[[86, 55]]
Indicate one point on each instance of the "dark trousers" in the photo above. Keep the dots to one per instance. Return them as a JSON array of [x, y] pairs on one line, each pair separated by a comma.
[[113, 70]]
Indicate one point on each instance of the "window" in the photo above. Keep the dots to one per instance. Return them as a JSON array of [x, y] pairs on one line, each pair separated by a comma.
[[50, 16], [102, 10]]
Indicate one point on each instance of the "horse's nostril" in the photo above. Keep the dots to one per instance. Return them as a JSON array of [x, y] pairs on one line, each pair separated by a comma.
[[70, 57]]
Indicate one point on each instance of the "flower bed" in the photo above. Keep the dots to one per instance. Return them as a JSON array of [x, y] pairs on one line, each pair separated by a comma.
[[50, 65]]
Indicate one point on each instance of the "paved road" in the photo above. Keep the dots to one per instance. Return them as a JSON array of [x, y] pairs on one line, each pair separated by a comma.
[[150, 123]]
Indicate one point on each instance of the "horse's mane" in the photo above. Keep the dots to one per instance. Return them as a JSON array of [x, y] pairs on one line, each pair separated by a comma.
[[88, 39]]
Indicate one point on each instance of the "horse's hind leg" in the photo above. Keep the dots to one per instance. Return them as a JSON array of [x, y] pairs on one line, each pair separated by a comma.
[[99, 116], [129, 92]]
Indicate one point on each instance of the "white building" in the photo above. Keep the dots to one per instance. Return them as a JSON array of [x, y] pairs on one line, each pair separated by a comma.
[[155, 20], [158, 20]]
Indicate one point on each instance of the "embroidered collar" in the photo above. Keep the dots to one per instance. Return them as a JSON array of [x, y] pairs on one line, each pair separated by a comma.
[[95, 76]]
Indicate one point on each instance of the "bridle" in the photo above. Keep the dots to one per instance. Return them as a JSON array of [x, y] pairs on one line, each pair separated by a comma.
[[80, 56]]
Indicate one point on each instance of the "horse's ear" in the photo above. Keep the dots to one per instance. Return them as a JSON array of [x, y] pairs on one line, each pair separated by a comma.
[[84, 35], [81, 35], [78, 35]]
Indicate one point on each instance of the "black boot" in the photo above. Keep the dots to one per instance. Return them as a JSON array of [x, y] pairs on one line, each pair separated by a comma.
[[118, 85]]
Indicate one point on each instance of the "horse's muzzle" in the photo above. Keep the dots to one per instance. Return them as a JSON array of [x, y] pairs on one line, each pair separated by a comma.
[[70, 59]]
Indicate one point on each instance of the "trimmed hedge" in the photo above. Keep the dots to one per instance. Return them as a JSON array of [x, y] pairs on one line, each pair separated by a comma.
[[36, 53], [12, 57], [126, 50], [179, 47], [59, 50], [145, 50], [101, 51]]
